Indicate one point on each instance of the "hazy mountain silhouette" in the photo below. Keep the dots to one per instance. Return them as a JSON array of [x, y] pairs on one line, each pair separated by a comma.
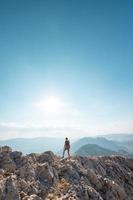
[[94, 150], [128, 145], [41, 144], [29, 145], [100, 141], [119, 137]]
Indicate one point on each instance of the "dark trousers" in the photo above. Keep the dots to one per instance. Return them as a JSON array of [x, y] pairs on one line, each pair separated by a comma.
[[68, 152]]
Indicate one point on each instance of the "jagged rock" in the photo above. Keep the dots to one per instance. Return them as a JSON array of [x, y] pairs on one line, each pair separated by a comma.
[[2, 187], [45, 173], [26, 198], [114, 191], [46, 176], [31, 197], [34, 156], [7, 163], [35, 197], [68, 172], [47, 156], [27, 171], [92, 194], [23, 186], [22, 194], [6, 149], [11, 190], [2, 171], [16, 155]]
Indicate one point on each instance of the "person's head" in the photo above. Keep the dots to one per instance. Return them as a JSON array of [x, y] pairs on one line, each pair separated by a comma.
[[66, 138]]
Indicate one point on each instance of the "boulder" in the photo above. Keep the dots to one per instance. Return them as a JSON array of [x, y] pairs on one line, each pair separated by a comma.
[[47, 156], [45, 173], [35, 197], [6, 149], [15, 155], [2, 188], [7, 164], [11, 190]]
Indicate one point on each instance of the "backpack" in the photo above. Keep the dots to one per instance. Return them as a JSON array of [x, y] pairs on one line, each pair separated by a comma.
[[67, 143]]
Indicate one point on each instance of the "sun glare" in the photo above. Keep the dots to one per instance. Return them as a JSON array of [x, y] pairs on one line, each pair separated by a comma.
[[51, 104]]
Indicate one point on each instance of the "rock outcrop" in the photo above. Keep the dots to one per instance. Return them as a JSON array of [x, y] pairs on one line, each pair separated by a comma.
[[47, 177]]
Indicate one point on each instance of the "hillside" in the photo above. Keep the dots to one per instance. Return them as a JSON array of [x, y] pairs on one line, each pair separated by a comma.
[[94, 150], [47, 177], [100, 141], [128, 145]]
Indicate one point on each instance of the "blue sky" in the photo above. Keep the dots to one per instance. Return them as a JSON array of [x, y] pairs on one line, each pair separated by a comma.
[[77, 53]]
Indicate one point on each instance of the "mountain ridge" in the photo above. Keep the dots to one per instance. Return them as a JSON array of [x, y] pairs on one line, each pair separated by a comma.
[[94, 150], [100, 141], [45, 176]]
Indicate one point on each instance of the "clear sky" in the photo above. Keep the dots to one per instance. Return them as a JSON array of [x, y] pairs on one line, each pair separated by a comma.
[[66, 67]]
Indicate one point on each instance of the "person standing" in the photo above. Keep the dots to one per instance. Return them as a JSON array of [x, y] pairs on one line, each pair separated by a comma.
[[66, 148]]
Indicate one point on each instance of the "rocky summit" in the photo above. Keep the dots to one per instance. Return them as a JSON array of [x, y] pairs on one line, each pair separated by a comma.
[[47, 177]]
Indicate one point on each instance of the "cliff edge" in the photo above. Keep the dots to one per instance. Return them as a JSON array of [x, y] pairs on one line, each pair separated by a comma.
[[46, 177]]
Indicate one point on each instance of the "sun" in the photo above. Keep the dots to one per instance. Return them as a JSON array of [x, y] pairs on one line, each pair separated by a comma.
[[51, 104]]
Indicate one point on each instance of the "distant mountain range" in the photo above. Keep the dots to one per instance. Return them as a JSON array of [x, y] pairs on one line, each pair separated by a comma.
[[100, 141], [124, 140], [107, 145], [40, 144], [94, 150], [100, 146], [119, 137]]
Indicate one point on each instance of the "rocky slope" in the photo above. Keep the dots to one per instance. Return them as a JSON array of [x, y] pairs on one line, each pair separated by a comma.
[[46, 176]]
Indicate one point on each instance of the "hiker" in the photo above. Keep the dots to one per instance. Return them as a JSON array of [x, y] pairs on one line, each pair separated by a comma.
[[66, 148]]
